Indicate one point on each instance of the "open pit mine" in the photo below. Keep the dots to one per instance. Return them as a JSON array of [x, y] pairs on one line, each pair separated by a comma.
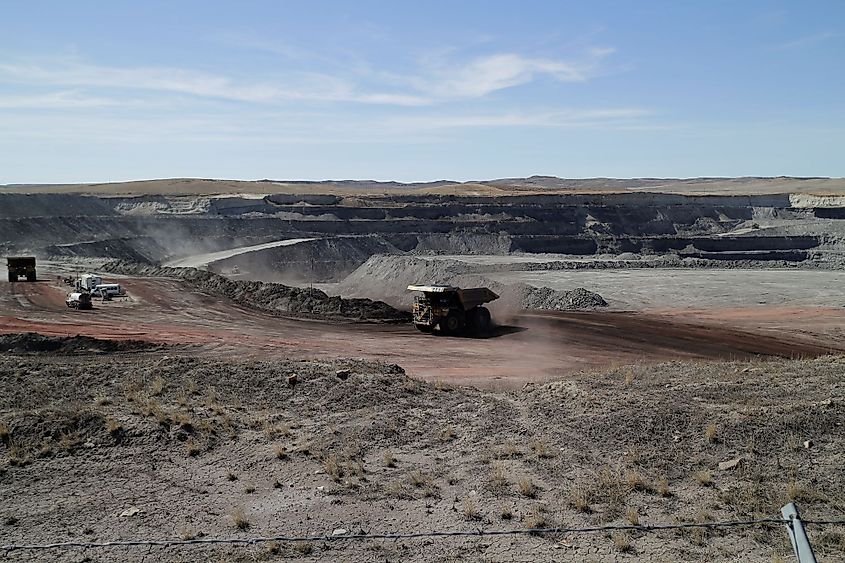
[[238, 359]]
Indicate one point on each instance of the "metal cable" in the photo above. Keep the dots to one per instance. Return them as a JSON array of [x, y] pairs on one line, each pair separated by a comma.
[[409, 535]]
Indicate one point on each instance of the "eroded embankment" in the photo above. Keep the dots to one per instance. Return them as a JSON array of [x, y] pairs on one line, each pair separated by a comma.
[[271, 297]]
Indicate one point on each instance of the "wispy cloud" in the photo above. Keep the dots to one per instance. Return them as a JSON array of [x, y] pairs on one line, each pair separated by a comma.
[[299, 86], [432, 81], [487, 74], [570, 118], [806, 41]]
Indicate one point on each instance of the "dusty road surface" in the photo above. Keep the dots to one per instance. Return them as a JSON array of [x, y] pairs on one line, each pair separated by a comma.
[[530, 347]]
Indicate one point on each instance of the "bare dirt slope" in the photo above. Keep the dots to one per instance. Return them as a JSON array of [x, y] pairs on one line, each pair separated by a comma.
[[171, 445], [529, 347]]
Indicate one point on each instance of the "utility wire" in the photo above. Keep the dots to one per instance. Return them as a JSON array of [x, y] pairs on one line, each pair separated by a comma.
[[410, 535]]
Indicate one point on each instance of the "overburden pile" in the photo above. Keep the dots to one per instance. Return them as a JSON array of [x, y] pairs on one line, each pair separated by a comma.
[[271, 297]]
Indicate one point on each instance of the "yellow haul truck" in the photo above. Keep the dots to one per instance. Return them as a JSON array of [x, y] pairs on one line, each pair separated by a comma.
[[21, 267], [445, 309]]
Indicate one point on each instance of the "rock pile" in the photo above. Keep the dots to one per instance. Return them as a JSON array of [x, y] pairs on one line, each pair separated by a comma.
[[271, 297]]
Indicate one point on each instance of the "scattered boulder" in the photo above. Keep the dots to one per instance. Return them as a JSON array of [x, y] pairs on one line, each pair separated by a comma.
[[730, 464]]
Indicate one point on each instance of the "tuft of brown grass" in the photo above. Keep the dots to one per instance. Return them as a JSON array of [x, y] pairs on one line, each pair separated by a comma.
[[498, 477], [5, 433], [579, 499], [703, 477], [632, 516], [506, 512], [541, 449], [629, 377], [230, 476], [535, 518], [469, 508], [419, 479], [192, 447], [448, 434], [389, 459], [711, 434], [239, 518], [527, 488], [662, 487], [158, 386], [303, 547], [279, 451], [621, 542], [507, 450], [332, 467], [637, 481], [113, 427], [249, 488]]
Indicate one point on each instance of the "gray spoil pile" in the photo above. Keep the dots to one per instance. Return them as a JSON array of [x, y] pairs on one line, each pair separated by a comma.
[[524, 296], [271, 297], [550, 299], [390, 275]]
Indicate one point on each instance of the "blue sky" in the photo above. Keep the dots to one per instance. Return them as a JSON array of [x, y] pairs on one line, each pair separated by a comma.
[[107, 91]]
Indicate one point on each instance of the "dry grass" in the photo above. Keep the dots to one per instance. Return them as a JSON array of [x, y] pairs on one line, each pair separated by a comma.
[[113, 427], [629, 377], [239, 518], [527, 488], [279, 451], [389, 459], [5, 433], [662, 487], [535, 518], [703, 477], [158, 386], [498, 477], [579, 499], [506, 512], [230, 476], [469, 508], [249, 488], [632, 515], [637, 481], [332, 467], [192, 447], [448, 434], [508, 450], [711, 434], [541, 449], [303, 547], [621, 542]]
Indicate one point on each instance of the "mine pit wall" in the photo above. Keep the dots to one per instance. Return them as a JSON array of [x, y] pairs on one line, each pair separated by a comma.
[[152, 228]]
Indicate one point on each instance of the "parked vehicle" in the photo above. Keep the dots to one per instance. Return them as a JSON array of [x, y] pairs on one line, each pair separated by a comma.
[[79, 300]]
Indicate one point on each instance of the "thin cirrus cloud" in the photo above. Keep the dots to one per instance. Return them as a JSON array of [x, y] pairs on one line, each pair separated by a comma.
[[570, 118], [444, 82]]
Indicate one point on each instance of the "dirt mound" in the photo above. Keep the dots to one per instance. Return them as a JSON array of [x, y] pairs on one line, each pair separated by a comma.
[[550, 299], [32, 342], [391, 275], [271, 297]]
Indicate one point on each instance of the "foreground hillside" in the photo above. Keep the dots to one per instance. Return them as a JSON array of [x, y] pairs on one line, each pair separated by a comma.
[[164, 444]]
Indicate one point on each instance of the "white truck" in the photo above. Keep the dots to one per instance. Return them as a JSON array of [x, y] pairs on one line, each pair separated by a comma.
[[94, 285]]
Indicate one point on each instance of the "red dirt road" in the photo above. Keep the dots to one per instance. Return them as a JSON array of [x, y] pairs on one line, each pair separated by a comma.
[[536, 347]]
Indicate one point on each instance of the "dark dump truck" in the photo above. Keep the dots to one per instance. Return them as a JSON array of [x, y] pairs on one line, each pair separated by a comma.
[[445, 309], [21, 267]]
